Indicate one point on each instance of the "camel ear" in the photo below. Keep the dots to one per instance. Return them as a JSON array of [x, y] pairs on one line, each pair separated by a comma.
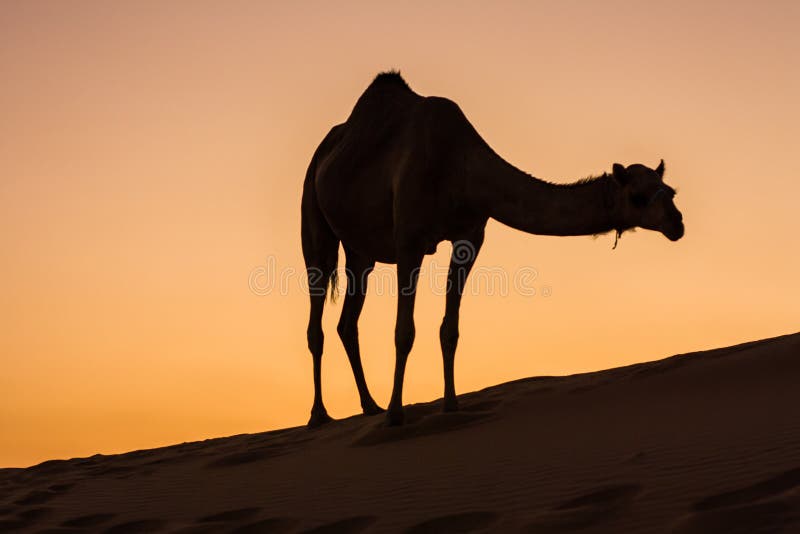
[[660, 169], [620, 174]]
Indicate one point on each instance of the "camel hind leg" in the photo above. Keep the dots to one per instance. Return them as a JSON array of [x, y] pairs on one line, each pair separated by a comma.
[[320, 251], [357, 270]]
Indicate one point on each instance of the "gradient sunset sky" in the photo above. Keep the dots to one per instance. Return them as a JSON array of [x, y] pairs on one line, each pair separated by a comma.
[[152, 156]]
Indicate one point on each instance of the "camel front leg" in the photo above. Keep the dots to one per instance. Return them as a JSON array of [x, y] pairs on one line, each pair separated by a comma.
[[461, 261], [316, 338], [408, 264]]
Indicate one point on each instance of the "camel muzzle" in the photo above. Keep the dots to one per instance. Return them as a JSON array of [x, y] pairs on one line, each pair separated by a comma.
[[675, 233]]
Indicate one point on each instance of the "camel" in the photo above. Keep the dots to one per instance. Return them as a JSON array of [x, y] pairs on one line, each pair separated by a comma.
[[405, 172]]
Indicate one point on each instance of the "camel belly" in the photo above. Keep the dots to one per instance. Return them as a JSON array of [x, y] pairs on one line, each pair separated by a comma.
[[360, 217], [358, 202]]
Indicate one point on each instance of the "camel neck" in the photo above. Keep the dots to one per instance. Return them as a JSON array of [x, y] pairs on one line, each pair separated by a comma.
[[538, 207]]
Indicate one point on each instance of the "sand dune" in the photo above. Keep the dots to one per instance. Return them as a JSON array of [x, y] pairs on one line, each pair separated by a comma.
[[698, 443]]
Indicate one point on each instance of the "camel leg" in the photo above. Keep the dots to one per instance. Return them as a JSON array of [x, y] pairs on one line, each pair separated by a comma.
[[408, 264], [358, 268], [318, 281], [320, 251], [461, 261]]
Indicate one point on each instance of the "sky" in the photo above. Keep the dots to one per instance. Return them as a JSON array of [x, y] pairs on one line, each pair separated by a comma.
[[152, 156]]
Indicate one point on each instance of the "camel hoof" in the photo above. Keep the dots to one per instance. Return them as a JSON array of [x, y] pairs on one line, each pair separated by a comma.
[[319, 418], [395, 417], [450, 405], [372, 409]]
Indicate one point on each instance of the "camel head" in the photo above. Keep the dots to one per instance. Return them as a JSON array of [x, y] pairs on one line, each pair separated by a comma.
[[646, 201]]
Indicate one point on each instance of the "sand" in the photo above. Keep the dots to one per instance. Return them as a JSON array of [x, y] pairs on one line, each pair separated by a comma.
[[697, 443]]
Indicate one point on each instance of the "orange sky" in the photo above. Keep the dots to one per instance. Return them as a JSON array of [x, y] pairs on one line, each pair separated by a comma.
[[152, 156]]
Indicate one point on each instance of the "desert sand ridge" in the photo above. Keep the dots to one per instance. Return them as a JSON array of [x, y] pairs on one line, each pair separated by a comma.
[[696, 443]]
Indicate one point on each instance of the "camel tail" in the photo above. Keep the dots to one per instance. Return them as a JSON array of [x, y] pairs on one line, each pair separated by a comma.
[[334, 283], [320, 243]]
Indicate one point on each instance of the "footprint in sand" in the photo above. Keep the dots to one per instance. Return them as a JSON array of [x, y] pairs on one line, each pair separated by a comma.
[[456, 523], [766, 506], [602, 504]]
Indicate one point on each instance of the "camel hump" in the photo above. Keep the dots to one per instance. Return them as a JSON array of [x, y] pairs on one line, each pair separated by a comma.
[[383, 107], [390, 78]]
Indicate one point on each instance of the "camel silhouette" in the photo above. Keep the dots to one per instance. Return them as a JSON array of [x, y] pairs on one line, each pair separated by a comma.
[[406, 172]]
